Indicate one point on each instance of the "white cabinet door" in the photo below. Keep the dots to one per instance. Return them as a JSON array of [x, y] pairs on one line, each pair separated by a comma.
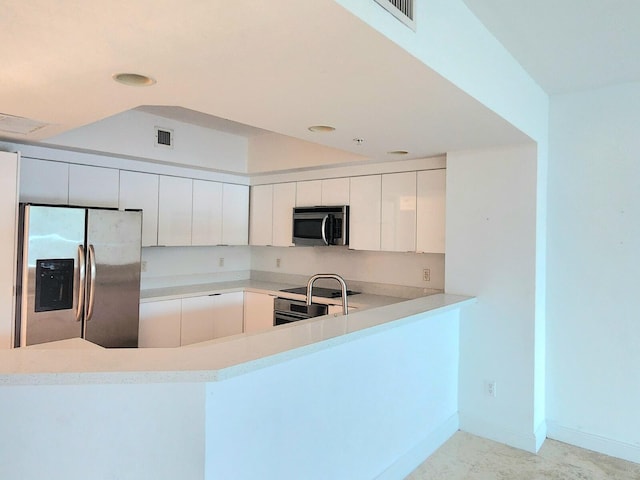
[[8, 215], [258, 312], [140, 191], [431, 211], [207, 213], [335, 191], [197, 319], [364, 215], [261, 217], [228, 313], [284, 199], [42, 181], [174, 211], [309, 194], [235, 214], [398, 212], [93, 186], [160, 324]]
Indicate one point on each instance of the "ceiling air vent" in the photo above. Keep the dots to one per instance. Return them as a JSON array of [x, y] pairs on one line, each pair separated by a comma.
[[403, 10], [164, 137]]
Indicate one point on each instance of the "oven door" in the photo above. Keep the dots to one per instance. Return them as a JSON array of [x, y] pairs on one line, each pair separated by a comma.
[[286, 310], [280, 317]]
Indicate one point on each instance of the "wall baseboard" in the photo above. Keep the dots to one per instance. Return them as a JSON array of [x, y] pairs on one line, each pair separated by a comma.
[[597, 443], [528, 441], [408, 462]]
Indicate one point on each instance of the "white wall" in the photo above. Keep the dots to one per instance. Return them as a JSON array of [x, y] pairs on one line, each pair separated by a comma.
[[593, 339], [491, 253], [271, 151], [172, 266], [372, 408], [102, 432], [132, 133], [376, 267]]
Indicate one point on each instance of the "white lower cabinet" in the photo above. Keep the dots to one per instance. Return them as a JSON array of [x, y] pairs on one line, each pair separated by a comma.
[[211, 316], [258, 311], [228, 314], [160, 324]]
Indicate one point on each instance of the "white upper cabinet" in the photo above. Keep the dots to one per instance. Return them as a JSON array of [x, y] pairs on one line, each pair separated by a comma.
[[364, 215], [431, 211], [284, 199], [235, 214], [398, 212], [335, 191], [309, 194], [261, 217], [93, 186], [207, 213], [175, 211], [8, 211], [140, 191], [42, 181]]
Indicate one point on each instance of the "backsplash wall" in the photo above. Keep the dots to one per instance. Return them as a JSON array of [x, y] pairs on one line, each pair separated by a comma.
[[172, 266], [392, 268]]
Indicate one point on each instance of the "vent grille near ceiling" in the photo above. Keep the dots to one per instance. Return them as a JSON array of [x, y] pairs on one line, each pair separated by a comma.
[[164, 137], [401, 9]]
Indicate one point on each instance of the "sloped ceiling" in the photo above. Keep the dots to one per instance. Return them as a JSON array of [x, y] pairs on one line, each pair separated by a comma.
[[568, 45]]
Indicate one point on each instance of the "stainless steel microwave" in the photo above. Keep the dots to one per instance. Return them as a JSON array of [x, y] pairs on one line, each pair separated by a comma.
[[321, 225]]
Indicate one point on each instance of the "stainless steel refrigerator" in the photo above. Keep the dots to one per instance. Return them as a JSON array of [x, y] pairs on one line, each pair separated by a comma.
[[78, 275]]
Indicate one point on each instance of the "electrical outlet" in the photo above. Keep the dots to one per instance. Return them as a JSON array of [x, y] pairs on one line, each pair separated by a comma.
[[277, 263], [426, 274], [490, 388], [143, 266], [221, 262]]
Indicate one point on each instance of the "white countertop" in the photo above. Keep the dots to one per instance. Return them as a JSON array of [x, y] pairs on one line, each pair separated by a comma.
[[359, 301], [216, 359]]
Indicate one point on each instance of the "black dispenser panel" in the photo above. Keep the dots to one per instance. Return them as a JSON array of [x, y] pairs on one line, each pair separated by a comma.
[[54, 284]]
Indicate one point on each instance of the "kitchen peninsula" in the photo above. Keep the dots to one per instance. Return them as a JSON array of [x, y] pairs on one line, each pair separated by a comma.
[[341, 390]]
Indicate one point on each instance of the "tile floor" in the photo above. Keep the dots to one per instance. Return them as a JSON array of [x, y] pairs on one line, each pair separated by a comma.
[[467, 457]]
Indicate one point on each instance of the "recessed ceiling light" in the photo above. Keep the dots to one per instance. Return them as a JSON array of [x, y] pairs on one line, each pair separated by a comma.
[[321, 128], [398, 152], [134, 79]]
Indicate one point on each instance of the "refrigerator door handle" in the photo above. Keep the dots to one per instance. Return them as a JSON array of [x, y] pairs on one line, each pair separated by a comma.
[[81, 283], [92, 282]]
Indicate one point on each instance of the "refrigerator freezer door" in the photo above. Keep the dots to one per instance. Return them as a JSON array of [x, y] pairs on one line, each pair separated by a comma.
[[113, 277], [52, 239]]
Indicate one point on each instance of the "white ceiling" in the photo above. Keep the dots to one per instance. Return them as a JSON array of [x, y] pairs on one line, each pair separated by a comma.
[[279, 67], [568, 45], [284, 66]]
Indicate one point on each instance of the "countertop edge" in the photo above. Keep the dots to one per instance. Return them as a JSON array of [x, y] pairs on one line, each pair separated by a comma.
[[214, 360]]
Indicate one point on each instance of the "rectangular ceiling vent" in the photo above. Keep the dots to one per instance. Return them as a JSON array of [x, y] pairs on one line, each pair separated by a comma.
[[403, 10], [19, 125], [164, 137]]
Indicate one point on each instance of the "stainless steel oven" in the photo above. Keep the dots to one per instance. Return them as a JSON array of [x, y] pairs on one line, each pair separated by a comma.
[[286, 310]]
